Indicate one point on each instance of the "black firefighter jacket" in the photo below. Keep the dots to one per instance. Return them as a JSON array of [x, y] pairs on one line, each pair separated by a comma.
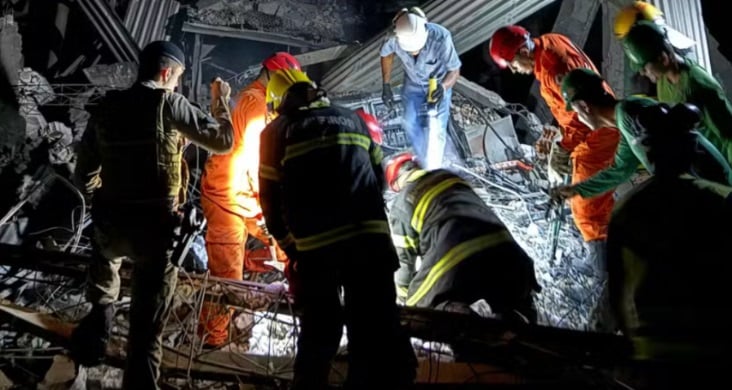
[[320, 178], [467, 253]]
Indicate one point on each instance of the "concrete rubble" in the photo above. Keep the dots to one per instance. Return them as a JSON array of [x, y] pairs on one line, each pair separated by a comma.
[[117, 75], [322, 24]]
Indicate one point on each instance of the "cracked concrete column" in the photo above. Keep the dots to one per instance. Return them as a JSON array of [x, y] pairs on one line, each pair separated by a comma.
[[614, 67], [12, 125], [574, 20]]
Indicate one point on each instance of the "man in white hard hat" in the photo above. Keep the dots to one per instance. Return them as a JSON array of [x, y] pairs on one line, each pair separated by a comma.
[[426, 51]]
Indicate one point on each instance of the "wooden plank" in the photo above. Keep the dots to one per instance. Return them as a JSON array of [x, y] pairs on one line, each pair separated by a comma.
[[43, 325], [234, 366]]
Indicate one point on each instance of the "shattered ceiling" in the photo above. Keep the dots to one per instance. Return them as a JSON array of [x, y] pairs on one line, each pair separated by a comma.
[[322, 23]]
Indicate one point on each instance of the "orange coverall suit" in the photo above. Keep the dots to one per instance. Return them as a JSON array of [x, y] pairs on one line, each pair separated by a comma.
[[229, 197], [591, 151]]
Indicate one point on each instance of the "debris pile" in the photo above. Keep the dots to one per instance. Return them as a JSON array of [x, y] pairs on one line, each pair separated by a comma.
[[321, 24]]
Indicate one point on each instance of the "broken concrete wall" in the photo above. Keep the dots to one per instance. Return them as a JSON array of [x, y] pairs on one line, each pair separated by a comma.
[[118, 75]]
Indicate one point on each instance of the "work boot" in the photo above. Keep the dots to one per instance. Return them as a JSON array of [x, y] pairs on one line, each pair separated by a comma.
[[89, 339]]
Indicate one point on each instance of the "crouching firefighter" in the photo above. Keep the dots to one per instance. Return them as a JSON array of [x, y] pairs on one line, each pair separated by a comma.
[[321, 186], [467, 253], [130, 159]]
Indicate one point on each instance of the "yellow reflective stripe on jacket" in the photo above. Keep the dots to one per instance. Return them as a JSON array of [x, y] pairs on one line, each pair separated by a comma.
[[377, 155], [426, 200], [340, 234], [269, 173], [306, 147], [453, 257], [405, 242]]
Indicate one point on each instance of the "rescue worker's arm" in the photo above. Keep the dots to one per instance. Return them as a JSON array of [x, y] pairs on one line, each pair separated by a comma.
[[623, 168], [215, 135], [387, 63], [88, 162], [452, 63], [709, 96], [387, 58], [270, 189], [559, 62], [406, 242]]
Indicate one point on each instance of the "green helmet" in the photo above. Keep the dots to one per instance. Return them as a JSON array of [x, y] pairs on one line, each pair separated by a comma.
[[582, 84], [644, 43]]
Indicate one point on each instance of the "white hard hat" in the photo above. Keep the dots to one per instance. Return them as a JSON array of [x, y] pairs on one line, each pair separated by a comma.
[[411, 32], [678, 39]]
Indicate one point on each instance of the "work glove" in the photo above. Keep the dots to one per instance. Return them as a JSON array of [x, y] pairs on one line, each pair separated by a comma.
[[561, 193], [437, 94], [559, 160], [220, 96], [387, 96]]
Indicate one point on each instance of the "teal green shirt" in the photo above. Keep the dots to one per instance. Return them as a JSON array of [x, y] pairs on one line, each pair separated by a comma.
[[698, 87], [631, 154]]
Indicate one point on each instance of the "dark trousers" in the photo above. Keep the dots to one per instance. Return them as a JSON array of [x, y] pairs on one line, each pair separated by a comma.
[[379, 352], [149, 245]]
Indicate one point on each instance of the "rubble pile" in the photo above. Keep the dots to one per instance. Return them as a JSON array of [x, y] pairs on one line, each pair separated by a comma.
[[321, 24], [568, 297]]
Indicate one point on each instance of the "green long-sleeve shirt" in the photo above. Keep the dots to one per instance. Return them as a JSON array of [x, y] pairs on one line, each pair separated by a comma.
[[700, 88], [630, 153]]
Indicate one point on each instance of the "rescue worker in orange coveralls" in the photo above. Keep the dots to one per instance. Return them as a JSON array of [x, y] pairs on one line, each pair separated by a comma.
[[230, 197], [581, 152]]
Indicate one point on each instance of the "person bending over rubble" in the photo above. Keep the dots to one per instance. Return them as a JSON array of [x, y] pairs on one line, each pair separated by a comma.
[[681, 80], [585, 94], [582, 151], [130, 159], [427, 54], [467, 254], [230, 197], [321, 186], [668, 260]]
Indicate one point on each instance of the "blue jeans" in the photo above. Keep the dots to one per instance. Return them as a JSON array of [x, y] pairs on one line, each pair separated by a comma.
[[415, 120]]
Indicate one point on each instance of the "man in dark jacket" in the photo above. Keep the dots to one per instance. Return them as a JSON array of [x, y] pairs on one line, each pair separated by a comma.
[[467, 253], [130, 159], [668, 260], [321, 187]]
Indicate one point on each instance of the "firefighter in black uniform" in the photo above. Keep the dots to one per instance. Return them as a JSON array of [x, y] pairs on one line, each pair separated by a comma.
[[321, 191], [669, 260], [467, 254]]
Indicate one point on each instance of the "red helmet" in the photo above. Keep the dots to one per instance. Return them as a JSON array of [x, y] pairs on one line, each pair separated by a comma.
[[505, 43], [393, 166], [375, 130], [281, 60]]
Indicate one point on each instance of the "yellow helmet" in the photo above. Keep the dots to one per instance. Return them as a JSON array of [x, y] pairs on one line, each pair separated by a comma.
[[279, 82], [628, 16]]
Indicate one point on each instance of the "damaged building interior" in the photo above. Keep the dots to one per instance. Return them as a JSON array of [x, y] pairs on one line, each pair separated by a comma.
[[59, 59]]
